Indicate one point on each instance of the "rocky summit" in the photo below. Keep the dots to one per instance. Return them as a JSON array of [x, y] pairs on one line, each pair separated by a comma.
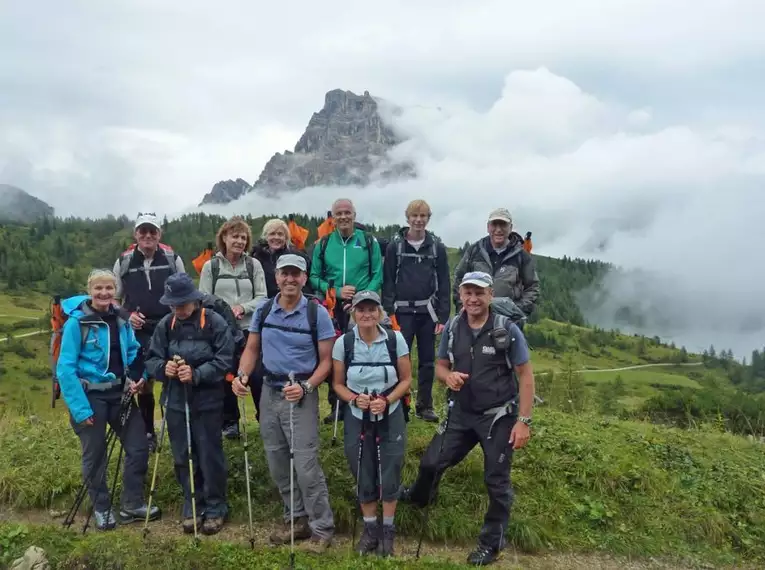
[[16, 205], [345, 144]]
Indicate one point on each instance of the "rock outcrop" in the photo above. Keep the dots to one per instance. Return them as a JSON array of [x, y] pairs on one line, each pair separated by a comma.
[[346, 143], [16, 205], [227, 191], [34, 559]]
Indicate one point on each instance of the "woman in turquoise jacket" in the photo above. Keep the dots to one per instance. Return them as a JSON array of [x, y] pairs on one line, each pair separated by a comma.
[[94, 369]]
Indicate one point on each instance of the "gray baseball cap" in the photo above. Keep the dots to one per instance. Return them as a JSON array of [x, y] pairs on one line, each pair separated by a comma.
[[362, 296], [501, 215], [477, 278], [291, 260]]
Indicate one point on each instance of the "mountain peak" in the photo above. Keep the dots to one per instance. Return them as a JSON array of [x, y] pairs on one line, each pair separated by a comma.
[[16, 205], [344, 144]]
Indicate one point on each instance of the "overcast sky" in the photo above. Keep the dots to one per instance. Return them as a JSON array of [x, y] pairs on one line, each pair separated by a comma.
[[593, 121]]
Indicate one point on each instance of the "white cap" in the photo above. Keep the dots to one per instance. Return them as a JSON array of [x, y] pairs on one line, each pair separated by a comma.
[[291, 260], [501, 215], [149, 218]]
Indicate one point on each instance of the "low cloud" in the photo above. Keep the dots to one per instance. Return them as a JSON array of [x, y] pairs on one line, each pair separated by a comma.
[[681, 204]]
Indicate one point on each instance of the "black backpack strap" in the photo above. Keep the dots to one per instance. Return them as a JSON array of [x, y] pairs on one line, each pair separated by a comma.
[[369, 239], [214, 271], [322, 251], [349, 342], [249, 262], [313, 318]]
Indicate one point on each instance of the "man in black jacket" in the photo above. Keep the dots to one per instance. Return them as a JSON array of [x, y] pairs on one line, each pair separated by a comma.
[[416, 290], [483, 358], [501, 255], [203, 341]]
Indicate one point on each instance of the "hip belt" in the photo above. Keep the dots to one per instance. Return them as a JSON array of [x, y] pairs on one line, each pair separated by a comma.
[[428, 303], [507, 409]]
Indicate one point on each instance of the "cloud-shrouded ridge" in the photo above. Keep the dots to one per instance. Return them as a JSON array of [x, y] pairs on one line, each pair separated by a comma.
[[593, 179]]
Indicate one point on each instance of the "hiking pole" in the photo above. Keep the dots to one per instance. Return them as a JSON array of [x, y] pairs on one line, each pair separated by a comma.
[[180, 362], [153, 487], [435, 476], [125, 409], [292, 478], [337, 413], [376, 432], [247, 472], [362, 437]]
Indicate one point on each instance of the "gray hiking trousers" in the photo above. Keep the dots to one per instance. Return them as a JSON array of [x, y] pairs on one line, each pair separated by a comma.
[[311, 495], [106, 410]]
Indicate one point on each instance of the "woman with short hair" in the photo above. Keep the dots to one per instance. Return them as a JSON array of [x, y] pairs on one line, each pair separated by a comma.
[[96, 367], [377, 377], [237, 278], [275, 241]]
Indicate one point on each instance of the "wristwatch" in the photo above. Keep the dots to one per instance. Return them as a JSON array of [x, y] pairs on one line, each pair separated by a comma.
[[306, 386], [524, 420]]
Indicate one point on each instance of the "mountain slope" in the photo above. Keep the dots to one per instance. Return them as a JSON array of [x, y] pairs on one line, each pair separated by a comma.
[[16, 205]]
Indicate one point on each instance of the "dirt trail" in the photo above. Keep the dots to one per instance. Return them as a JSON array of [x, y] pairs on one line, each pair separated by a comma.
[[406, 547]]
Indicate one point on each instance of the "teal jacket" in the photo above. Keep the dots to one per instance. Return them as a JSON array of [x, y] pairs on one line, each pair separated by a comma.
[[84, 354], [346, 262]]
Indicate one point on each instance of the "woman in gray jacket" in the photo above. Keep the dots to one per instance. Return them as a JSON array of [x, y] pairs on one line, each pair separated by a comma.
[[237, 278]]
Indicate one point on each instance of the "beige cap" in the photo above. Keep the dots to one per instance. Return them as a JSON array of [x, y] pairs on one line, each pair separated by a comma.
[[501, 215]]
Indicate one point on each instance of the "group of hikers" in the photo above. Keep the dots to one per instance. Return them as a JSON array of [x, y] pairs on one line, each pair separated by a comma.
[[272, 321]]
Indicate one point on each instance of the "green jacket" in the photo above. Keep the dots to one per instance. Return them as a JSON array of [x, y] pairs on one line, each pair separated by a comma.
[[346, 262]]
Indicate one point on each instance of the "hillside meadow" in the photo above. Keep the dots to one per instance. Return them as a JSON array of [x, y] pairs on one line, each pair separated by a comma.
[[594, 478]]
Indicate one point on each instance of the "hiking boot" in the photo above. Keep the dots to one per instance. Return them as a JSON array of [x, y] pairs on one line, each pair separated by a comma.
[[482, 556], [282, 534], [316, 545], [188, 524], [426, 414], [368, 541], [105, 520], [212, 525], [128, 516], [385, 547], [151, 439], [231, 431]]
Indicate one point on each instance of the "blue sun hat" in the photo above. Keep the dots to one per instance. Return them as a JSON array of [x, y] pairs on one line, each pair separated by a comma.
[[179, 290]]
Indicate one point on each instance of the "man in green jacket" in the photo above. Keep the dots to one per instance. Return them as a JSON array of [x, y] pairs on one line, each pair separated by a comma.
[[347, 260]]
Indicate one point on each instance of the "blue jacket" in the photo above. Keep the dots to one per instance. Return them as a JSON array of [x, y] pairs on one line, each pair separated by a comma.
[[86, 358]]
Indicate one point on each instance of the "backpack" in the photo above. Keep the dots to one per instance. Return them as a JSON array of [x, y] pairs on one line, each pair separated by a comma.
[[349, 345], [313, 312], [500, 322], [58, 319], [399, 241], [127, 255], [216, 304], [368, 238], [249, 263]]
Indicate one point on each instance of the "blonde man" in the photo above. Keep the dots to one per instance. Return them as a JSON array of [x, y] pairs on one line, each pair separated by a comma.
[[416, 290]]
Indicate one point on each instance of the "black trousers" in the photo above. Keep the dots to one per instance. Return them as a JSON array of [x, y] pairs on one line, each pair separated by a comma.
[[464, 432], [420, 326], [209, 462]]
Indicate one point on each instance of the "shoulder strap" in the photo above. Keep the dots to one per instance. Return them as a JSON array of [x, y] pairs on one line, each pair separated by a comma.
[[369, 239], [392, 345], [501, 322], [349, 341], [322, 253], [264, 313], [399, 252], [450, 337], [125, 258], [215, 271], [249, 262], [313, 318]]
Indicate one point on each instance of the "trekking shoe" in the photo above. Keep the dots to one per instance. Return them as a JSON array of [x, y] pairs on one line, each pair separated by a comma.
[[213, 525], [231, 431], [385, 547], [152, 441], [426, 414], [128, 516], [188, 524], [368, 542], [316, 545], [482, 556], [105, 520], [282, 534]]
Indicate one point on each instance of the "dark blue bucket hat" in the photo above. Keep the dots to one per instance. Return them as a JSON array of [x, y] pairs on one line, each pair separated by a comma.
[[179, 290]]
